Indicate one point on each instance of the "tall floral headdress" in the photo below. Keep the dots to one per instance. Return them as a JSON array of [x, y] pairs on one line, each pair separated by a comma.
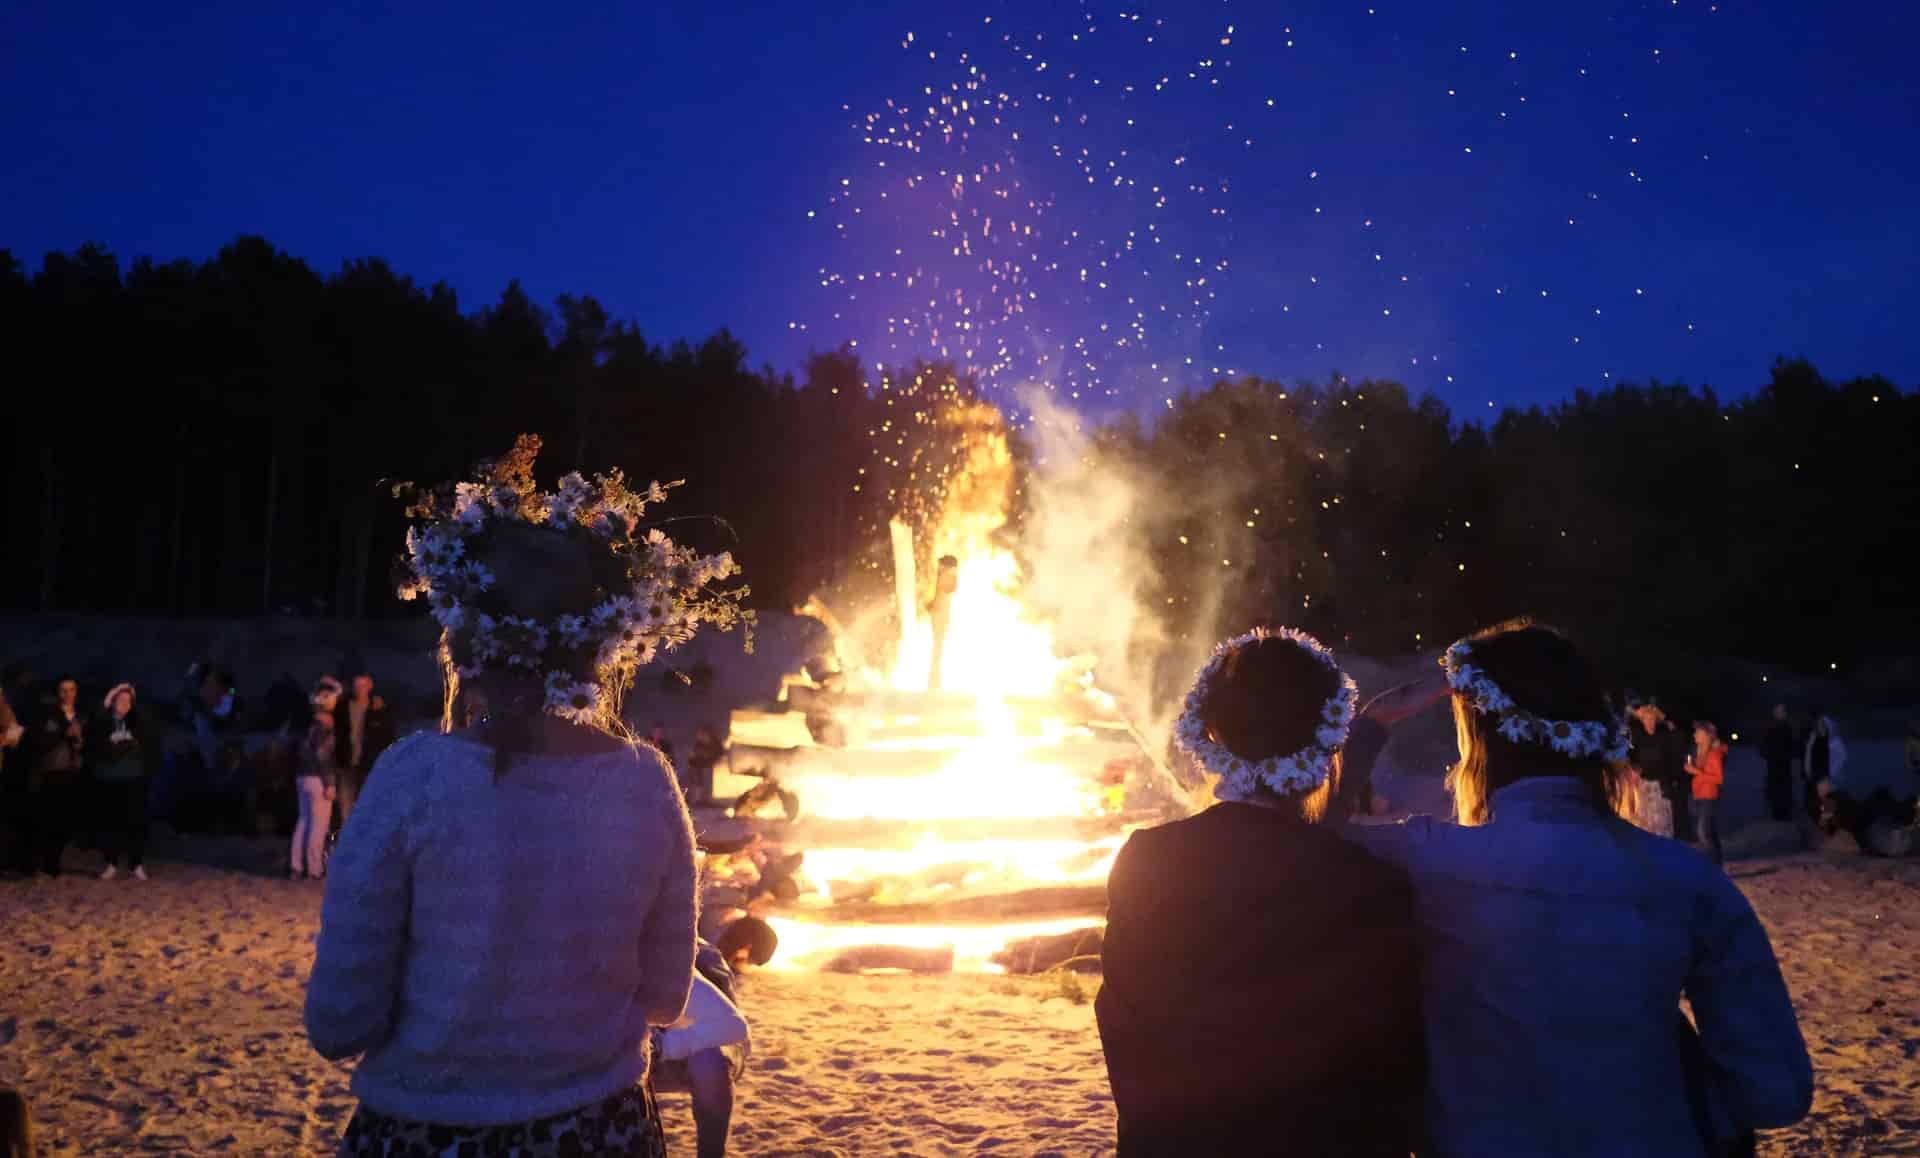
[[1241, 779], [1578, 739], [667, 593]]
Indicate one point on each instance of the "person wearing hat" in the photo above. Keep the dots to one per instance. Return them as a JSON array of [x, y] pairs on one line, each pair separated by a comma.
[[121, 756]]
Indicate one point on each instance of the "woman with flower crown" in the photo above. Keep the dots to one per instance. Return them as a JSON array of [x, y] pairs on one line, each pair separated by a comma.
[[1261, 992], [1557, 939], [511, 906]]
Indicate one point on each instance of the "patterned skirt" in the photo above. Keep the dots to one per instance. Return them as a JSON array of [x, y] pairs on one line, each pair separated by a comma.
[[1653, 811], [626, 1125]]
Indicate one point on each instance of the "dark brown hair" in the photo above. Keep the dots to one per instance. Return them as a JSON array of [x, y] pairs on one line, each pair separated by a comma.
[[1266, 701], [1544, 673], [540, 573]]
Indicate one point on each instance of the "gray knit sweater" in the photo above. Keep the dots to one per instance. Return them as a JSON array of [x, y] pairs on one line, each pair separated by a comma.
[[497, 950]]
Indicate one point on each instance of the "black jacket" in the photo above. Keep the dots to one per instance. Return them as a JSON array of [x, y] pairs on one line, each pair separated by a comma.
[[1780, 746], [1662, 754], [1261, 992]]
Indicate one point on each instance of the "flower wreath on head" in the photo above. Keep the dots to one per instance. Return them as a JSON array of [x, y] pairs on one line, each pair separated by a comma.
[[1577, 739], [668, 593], [1300, 771]]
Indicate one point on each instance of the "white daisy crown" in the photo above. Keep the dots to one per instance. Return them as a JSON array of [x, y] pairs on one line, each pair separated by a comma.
[[1578, 739], [669, 590], [1242, 779]]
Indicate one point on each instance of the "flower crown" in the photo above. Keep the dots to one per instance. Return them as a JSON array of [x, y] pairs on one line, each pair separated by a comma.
[[1577, 739], [670, 590], [1240, 778]]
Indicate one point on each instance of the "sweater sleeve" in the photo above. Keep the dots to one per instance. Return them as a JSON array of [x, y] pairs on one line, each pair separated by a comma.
[[667, 939], [711, 1021], [1759, 1074], [357, 967]]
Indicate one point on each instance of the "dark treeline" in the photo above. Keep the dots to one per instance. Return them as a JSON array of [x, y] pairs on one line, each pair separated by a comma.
[[216, 438]]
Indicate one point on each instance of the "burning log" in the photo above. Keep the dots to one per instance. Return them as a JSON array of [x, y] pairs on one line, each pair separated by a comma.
[[1078, 950], [997, 908], [901, 958]]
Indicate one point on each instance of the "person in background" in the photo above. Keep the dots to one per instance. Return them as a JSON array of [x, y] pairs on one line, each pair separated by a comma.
[[1303, 1035], [58, 779], [700, 764], [1659, 756], [315, 777], [362, 732], [1707, 767], [14, 852], [1779, 750], [1556, 940], [122, 756], [1825, 763], [1369, 738]]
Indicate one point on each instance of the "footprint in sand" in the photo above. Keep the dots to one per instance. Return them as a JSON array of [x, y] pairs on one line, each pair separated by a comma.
[[10, 1029]]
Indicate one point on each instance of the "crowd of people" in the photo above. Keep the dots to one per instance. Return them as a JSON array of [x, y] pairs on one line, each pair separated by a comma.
[[74, 773]]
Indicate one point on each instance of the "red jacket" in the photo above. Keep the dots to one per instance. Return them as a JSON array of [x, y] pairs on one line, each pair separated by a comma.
[[1709, 772]]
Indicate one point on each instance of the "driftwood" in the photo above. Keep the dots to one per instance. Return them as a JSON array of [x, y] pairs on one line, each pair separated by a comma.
[[1078, 951]]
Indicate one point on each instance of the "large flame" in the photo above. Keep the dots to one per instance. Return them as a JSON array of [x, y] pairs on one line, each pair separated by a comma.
[[971, 799]]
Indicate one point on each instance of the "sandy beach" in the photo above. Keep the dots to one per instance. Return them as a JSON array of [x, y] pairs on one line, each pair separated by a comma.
[[164, 1017]]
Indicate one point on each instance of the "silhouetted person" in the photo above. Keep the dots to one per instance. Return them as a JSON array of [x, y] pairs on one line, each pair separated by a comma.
[[1779, 750], [1261, 994], [121, 757]]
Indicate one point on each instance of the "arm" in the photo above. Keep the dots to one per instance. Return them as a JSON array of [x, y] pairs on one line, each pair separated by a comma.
[[667, 939], [1406, 701], [711, 1021], [1759, 1075], [358, 966]]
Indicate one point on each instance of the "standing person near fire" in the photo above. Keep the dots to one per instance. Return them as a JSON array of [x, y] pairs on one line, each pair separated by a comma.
[[946, 581], [56, 786], [1557, 941], [316, 778], [1372, 728], [1301, 1034], [362, 732], [122, 755], [1707, 767], [512, 907], [1781, 752], [1658, 755]]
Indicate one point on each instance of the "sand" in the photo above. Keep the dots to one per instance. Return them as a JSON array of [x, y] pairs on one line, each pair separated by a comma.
[[164, 1017]]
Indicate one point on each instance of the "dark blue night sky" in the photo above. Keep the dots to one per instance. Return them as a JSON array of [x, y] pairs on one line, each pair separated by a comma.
[[1496, 202]]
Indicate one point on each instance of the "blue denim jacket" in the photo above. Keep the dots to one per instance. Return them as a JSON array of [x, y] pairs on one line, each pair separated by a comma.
[[1556, 944]]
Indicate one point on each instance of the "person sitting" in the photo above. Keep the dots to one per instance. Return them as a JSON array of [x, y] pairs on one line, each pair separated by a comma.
[[1557, 940], [704, 1053], [512, 908], [1300, 1033]]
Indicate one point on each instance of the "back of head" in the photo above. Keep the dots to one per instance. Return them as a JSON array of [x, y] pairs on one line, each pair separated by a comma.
[[1528, 704], [750, 937], [1268, 715]]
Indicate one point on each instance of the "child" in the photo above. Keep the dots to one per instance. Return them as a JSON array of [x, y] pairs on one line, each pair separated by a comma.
[[1708, 768]]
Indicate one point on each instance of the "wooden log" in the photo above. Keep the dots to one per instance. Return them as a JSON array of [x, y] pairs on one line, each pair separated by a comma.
[[1026, 904], [1078, 950], [872, 958]]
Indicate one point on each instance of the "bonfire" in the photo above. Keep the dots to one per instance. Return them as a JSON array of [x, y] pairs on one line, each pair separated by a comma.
[[957, 805]]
